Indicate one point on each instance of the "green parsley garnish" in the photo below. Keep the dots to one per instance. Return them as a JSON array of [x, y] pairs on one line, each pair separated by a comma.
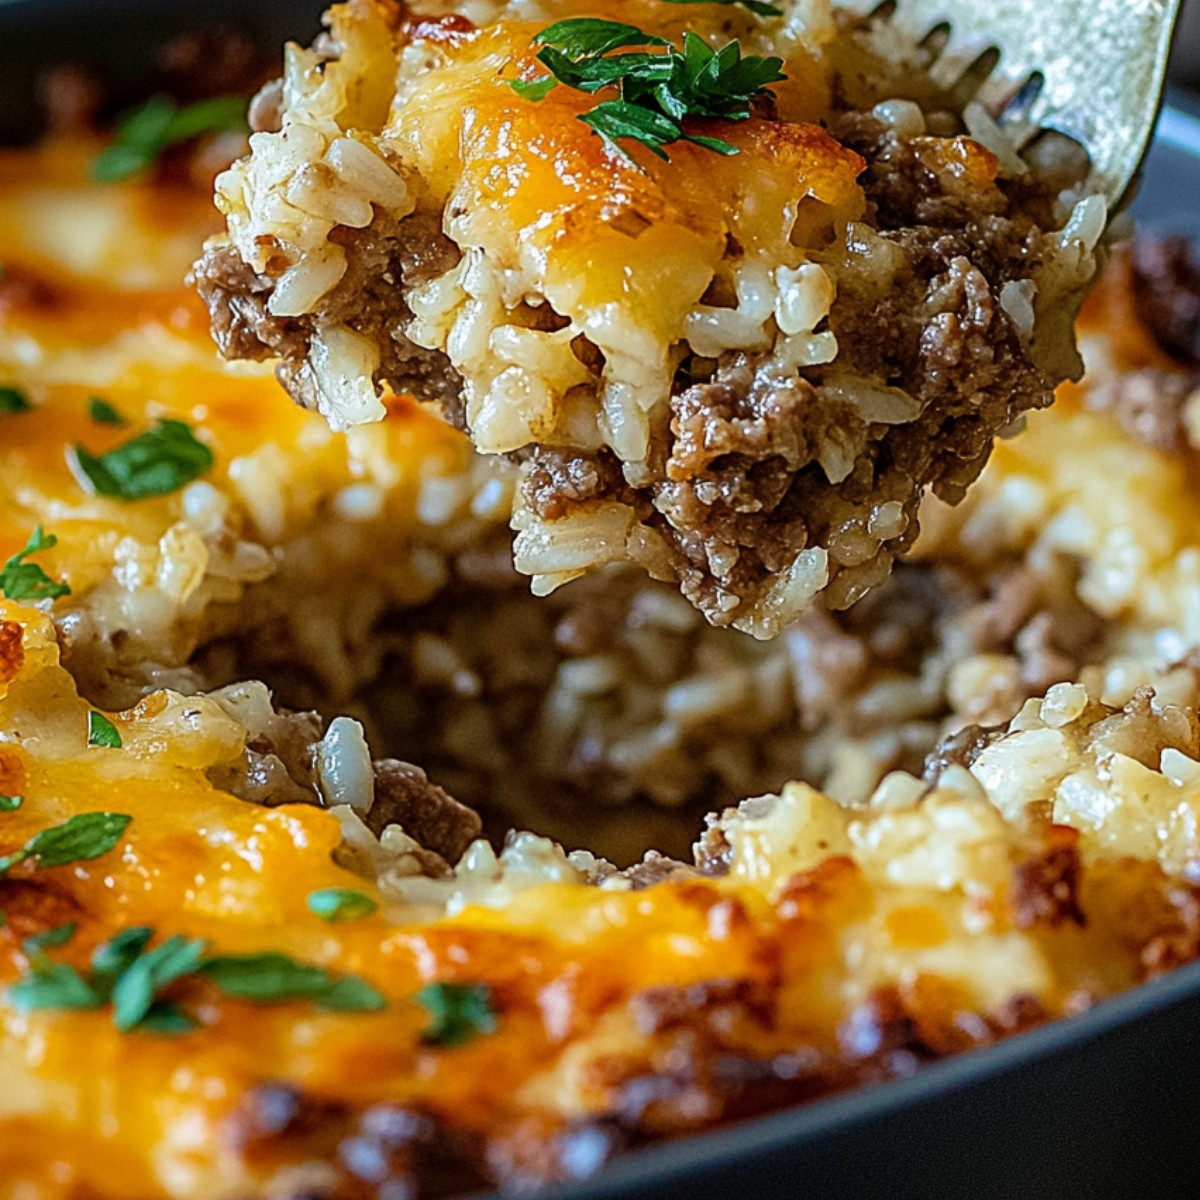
[[58, 936], [134, 980], [21, 580], [113, 958], [13, 400], [104, 413], [341, 904], [150, 973], [458, 1012], [155, 463], [87, 835], [268, 978], [143, 134], [11, 803], [53, 985], [657, 88], [102, 732]]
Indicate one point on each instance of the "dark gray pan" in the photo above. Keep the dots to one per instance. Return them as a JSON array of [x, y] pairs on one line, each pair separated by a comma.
[[1106, 1104]]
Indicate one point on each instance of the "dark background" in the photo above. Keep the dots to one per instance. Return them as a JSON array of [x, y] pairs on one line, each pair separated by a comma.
[[1185, 67]]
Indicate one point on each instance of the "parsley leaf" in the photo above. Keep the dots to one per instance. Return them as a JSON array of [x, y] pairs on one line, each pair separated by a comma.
[[617, 119], [58, 936], [21, 580], [13, 400], [113, 958], [656, 90], [352, 994], [82, 837], [155, 463], [341, 904], [53, 985], [458, 1012], [587, 37], [143, 134], [134, 979], [268, 978], [104, 413], [534, 89], [165, 1016], [79, 838], [139, 984], [11, 803], [102, 732]]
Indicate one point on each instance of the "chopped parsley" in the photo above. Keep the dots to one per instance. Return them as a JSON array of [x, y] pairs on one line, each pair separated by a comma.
[[458, 1012], [11, 803], [53, 985], [135, 980], [268, 978], [144, 133], [138, 986], [114, 957], [658, 86], [82, 837], [60, 935], [13, 400], [102, 732], [341, 904], [104, 413], [155, 463], [21, 580]]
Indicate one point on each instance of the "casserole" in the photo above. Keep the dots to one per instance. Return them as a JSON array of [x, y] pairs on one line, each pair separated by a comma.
[[873, 1131]]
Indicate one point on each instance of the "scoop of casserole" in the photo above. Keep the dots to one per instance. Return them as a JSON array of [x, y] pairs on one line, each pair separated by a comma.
[[737, 358]]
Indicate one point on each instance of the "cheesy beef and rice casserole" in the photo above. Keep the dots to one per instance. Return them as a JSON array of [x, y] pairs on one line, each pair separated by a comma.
[[292, 970], [738, 370]]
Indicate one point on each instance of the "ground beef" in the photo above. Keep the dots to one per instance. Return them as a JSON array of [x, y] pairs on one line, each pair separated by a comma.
[[656, 868], [71, 98], [959, 749], [829, 666], [558, 480], [405, 796], [1045, 887], [1166, 285], [215, 61], [236, 297], [738, 445], [1176, 939], [1149, 404], [384, 259]]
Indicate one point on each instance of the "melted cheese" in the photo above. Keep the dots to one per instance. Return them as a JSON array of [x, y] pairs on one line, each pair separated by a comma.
[[586, 226], [73, 327]]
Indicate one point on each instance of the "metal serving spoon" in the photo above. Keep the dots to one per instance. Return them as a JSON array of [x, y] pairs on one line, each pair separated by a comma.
[[1092, 69]]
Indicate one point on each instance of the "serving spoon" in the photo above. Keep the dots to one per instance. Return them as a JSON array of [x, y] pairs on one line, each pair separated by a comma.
[[1091, 69]]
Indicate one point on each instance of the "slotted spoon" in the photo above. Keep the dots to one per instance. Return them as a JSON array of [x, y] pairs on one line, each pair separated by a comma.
[[1091, 69]]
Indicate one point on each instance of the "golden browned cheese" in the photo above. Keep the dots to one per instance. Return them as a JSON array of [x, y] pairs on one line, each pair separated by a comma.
[[813, 947]]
